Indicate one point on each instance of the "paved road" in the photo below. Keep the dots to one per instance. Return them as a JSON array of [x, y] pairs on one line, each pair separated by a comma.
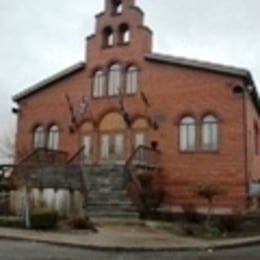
[[16, 250]]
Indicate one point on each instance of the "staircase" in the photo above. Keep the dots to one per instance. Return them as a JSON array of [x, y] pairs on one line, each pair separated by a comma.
[[106, 195]]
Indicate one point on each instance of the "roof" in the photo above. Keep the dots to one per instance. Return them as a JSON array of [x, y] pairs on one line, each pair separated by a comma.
[[213, 67], [46, 82]]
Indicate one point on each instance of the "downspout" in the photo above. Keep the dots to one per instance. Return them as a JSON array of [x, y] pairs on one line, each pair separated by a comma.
[[246, 141], [238, 89]]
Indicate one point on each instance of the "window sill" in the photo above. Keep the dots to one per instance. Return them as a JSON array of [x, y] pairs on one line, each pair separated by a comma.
[[127, 95], [200, 152], [107, 47], [123, 44], [112, 161]]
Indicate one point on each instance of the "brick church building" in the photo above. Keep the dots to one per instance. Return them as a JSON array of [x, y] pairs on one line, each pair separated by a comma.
[[200, 119]]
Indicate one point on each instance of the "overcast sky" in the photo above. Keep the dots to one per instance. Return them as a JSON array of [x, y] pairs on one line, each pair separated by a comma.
[[41, 37]]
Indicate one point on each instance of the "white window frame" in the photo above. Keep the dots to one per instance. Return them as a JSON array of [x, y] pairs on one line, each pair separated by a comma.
[[114, 79], [131, 80], [209, 133], [98, 84], [53, 137], [112, 146], [87, 153], [104, 147], [39, 137], [187, 135]]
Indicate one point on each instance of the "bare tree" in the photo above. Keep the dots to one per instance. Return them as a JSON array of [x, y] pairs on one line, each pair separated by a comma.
[[7, 144]]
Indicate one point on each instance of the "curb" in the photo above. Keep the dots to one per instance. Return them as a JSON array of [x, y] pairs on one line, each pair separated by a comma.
[[209, 246]]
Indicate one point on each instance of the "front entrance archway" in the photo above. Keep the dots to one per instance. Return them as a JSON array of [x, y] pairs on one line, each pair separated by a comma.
[[112, 138]]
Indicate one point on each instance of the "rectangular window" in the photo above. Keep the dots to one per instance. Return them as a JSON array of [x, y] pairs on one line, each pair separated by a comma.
[[119, 146], [112, 146], [210, 137], [187, 137], [86, 141], [139, 140], [98, 84], [105, 147]]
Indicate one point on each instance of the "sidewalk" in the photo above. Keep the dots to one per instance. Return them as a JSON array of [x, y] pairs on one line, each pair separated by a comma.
[[124, 237]]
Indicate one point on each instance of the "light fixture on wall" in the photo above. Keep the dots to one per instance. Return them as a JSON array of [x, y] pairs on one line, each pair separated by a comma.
[[237, 89], [15, 110]]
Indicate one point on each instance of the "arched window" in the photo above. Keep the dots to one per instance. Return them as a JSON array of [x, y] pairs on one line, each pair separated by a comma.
[[124, 34], [98, 84], [38, 137], [114, 79], [108, 37], [209, 133], [131, 80], [53, 137], [117, 6], [187, 134]]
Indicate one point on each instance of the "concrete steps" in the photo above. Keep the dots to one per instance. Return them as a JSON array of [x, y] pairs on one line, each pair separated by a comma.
[[106, 194]]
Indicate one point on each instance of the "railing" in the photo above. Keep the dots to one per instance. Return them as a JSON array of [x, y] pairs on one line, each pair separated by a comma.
[[140, 170], [5, 173], [44, 156], [77, 157], [143, 157]]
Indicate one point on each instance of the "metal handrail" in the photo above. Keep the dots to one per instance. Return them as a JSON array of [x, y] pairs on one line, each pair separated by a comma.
[[133, 160], [36, 152], [76, 155]]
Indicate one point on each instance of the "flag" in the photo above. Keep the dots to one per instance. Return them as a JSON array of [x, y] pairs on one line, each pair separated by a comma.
[[154, 123], [73, 121], [145, 99], [122, 108], [82, 113]]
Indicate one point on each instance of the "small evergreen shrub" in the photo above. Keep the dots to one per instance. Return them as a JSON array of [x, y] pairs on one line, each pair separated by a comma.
[[11, 222], [44, 218]]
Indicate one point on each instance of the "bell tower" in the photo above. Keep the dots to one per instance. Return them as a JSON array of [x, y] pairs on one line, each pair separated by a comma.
[[120, 33]]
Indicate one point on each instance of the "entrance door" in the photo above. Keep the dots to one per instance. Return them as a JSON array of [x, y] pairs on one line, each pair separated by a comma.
[[112, 146]]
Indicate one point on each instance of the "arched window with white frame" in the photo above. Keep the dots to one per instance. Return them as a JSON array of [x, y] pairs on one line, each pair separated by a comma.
[[38, 137], [114, 79], [53, 137], [131, 80], [187, 134], [98, 84], [209, 133]]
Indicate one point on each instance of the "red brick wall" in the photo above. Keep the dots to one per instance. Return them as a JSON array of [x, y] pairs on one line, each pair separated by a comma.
[[47, 107], [253, 156], [173, 91], [179, 91]]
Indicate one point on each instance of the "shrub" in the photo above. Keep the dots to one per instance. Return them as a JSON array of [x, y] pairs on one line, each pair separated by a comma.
[[230, 223], [190, 214], [208, 191], [44, 218], [78, 222], [11, 222]]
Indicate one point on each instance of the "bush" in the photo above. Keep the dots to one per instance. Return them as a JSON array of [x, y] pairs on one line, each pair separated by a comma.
[[190, 214], [44, 218], [230, 223], [11, 222], [78, 222]]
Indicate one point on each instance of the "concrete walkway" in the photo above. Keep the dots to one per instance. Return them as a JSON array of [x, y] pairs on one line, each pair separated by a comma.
[[124, 237]]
